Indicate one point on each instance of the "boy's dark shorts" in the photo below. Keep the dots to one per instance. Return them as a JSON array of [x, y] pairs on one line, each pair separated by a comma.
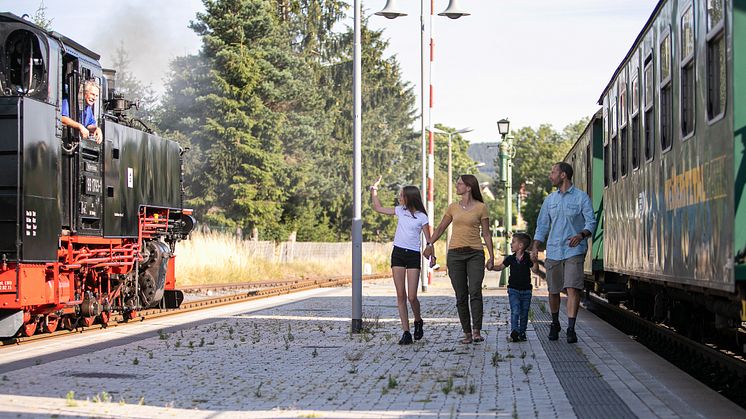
[[405, 258]]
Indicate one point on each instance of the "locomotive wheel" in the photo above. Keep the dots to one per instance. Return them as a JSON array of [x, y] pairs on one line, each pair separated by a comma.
[[68, 323], [51, 323], [130, 315], [104, 318], [28, 329], [88, 321]]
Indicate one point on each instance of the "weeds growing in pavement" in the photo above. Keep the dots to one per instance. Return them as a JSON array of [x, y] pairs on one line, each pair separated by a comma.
[[287, 342], [290, 335], [70, 399], [392, 382], [191, 345], [135, 361], [230, 333], [315, 353], [177, 344], [527, 368], [523, 354], [384, 391], [5, 378], [201, 342], [472, 388], [258, 391], [150, 354], [543, 308], [509, 356], [102, 397], [531, 314], [448, 386], [496, 357], [354, 356]]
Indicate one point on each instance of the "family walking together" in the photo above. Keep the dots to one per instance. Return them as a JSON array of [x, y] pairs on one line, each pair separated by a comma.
[[565, 222]]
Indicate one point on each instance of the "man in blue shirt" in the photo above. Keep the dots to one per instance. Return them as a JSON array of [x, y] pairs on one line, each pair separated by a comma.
[[566, 216], [88, 119]]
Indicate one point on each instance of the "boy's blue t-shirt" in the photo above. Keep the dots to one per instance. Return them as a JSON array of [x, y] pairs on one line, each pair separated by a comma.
[[520, 272]]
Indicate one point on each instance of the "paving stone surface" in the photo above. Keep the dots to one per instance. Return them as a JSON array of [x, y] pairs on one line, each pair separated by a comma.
[[298, 359]]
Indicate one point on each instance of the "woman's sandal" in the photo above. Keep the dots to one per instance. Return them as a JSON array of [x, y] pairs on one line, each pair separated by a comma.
[[467, 339]]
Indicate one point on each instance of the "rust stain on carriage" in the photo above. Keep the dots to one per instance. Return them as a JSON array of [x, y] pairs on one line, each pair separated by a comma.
[[702, 183]]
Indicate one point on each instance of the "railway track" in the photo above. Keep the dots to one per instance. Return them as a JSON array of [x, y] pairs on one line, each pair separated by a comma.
[[720, 369], [249, 291]]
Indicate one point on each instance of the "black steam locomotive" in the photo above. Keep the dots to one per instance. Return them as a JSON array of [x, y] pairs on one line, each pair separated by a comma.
[[86, 228]]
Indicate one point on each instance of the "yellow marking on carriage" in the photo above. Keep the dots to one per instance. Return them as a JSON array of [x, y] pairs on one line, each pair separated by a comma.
[[697, 185]]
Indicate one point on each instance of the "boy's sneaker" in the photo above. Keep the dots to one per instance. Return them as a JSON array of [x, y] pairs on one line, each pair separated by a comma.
[[554, 330], [522, 337], [514, 336], [406, 338], [418, 333], [572, 337]]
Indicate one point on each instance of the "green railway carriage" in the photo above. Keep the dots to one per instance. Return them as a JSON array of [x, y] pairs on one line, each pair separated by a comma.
[[586, 158], [667, 170]]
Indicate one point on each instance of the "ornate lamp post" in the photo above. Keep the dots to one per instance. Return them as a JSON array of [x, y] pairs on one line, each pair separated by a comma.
[[507, 152]]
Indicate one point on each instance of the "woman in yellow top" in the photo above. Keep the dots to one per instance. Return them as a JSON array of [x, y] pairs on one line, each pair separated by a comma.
[[466, 254]]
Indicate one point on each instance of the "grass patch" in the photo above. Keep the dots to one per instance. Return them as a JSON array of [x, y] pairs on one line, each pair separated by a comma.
[[219, 257]]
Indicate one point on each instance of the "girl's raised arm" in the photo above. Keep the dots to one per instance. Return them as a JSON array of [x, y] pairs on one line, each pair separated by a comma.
[[377, 207]]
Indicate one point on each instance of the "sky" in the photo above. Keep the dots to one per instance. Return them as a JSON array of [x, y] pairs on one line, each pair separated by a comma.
[[532, 61]]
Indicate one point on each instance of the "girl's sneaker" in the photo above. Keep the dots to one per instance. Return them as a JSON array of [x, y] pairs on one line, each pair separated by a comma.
[[406, 339], [418, 333]]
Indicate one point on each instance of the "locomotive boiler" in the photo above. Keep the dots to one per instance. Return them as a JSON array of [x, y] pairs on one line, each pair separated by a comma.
[[86, 229]]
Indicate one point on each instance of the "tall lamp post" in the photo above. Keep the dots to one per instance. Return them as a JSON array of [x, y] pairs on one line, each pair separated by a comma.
[[450, 170], [453, 11], [506, 176]]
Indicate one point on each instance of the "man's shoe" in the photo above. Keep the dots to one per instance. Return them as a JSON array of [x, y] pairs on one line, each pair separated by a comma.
[[554, 330], [572, 337], [406, 338], [514, 336], [522, 337], [418, 333]]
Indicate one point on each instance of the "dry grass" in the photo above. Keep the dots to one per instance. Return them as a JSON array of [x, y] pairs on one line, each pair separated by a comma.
[[220, 258]]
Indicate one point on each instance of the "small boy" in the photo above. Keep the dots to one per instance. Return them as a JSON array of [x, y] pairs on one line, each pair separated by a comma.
[[519, 284]]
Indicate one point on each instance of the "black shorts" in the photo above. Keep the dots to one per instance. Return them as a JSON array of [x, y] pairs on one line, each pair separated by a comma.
[[405, 258]]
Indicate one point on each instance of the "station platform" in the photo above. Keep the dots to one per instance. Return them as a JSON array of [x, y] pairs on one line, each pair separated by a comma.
[[293, 356]]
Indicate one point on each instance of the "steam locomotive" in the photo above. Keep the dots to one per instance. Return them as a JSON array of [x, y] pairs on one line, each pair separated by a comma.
[[663, 162], [86, 229]]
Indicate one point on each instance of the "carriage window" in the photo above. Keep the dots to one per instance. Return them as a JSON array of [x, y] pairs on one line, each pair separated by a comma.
[[714, 15], [648, 108], [614, 158], [26, 70], [588, 170], [613, 116], [666, 93], [606, 165], [623, 124], [687, 73], [635, 121], [716, 77]]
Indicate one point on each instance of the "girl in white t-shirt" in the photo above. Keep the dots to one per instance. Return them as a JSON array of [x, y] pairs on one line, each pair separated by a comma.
[[406, 258]]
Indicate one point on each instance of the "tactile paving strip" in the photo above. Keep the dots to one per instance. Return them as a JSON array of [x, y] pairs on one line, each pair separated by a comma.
[[588, 393]]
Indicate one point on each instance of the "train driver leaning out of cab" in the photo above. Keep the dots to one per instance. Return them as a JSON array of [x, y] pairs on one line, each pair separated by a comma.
[[88, 125]]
